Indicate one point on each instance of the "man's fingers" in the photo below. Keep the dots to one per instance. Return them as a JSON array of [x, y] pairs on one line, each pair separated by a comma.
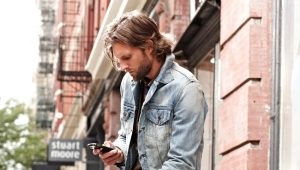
[[96, 151], [111, 157], [107, 154]]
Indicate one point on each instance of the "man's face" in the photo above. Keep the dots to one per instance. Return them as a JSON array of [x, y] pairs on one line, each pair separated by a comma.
[[133, 60]]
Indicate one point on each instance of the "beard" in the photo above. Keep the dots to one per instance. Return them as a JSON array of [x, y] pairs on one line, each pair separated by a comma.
[[143, 69]]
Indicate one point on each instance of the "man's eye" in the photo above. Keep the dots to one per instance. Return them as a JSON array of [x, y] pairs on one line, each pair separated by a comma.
[[126, 58]]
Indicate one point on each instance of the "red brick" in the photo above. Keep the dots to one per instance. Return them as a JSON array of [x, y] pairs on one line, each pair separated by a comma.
[[235, 13], [241, 58], [112, 119], [242, 117], [246, 157], [179, 12]]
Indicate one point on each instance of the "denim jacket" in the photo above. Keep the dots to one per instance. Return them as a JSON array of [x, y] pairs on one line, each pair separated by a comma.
[[170, 129]]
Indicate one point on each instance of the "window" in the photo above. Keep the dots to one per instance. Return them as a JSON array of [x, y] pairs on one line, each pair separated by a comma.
[[206, 72]]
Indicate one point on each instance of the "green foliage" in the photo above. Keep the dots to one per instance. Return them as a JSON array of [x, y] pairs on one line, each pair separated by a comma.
[[20, 142]]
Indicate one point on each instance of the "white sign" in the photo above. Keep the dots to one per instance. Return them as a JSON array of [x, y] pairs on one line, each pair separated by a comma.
[[64, 150]]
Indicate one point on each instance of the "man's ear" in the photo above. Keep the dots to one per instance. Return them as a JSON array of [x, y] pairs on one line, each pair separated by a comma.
[[149, 46]]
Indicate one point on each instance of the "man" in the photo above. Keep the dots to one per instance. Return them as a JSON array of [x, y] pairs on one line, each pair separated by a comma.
[[162, 104]]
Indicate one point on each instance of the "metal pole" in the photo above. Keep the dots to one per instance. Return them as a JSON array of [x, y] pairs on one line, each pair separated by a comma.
[[276, 59]]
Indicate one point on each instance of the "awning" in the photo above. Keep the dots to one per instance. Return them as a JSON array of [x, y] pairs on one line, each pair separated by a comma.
[[201, 35]]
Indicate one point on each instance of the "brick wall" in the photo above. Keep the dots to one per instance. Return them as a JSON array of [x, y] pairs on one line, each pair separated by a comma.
[[173, 16], [180, 16], [244, 124]]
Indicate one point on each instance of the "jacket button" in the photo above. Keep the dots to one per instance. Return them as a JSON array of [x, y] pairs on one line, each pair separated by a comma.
[[143, 156], [141, 129]]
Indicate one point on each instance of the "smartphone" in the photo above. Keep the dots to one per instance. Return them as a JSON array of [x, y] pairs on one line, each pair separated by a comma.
[[103, 148]]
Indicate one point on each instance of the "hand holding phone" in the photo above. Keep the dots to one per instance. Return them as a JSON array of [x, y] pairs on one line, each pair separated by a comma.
[[102, 147], [111, 158]]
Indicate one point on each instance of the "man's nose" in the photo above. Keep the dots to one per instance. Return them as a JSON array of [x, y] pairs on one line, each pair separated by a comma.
[[123, 66]]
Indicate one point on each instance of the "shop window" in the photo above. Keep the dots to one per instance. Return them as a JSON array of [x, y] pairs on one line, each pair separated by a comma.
[[206, 73]]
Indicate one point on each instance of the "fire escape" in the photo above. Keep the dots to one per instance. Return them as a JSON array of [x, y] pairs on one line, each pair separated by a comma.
[[75, 45], [47, 48]]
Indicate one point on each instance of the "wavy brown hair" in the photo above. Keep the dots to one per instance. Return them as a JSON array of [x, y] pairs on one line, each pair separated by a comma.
[[135, 28]]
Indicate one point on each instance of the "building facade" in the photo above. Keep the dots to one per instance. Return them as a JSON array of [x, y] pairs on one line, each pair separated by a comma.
[[44, 78], [245, 54]]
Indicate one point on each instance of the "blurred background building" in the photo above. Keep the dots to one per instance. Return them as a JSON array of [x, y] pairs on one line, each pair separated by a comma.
[[245, 53], [45, 77]]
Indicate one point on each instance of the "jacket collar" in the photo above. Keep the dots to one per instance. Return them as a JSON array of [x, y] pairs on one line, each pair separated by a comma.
[[165, 75]]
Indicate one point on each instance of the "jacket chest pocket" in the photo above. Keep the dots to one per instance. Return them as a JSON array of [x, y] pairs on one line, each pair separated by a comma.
[[158, 123]]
